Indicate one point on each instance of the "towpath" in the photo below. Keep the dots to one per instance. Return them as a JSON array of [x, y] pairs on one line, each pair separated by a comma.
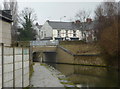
[[42, 77]]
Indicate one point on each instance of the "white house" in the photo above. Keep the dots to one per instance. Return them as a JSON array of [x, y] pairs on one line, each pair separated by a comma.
[[54, 30], [88, 29], [5, 27], [37, 29], [57, 30]]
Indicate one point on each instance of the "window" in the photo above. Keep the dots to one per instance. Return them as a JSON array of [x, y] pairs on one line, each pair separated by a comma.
[[44, 34], [74, 33], [66, 33], [58, 33]]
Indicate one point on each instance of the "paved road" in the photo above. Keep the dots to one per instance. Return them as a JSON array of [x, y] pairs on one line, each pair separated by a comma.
[[42, 77]]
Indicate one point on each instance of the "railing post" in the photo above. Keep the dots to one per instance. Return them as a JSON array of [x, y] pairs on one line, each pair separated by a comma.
[[2, 65]]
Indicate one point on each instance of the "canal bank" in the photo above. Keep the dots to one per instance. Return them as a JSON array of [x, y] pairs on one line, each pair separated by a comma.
[[70, 52], [89, 76], [82, 63], [47, 76]]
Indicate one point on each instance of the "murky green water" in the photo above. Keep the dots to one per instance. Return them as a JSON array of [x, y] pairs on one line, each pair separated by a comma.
[[88, 76]]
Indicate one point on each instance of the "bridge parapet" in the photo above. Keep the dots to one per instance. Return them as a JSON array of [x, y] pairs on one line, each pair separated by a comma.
[[44, 48], [44, 43]]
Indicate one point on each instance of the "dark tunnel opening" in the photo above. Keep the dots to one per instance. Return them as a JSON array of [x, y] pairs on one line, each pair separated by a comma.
[[35, 57], [50, 57]]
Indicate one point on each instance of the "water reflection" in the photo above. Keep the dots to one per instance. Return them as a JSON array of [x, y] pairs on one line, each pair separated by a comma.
[[89, 75]]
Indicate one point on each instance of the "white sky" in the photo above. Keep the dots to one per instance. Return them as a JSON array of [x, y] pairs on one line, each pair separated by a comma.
[[55, 9]]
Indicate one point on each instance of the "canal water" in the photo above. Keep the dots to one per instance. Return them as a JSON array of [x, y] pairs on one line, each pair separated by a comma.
[[89, 76]]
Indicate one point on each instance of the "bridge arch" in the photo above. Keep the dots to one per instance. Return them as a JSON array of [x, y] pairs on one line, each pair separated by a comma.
[[38, 56], [44, 53]]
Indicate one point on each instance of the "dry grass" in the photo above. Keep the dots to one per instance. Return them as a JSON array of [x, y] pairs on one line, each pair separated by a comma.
[[82, 48]]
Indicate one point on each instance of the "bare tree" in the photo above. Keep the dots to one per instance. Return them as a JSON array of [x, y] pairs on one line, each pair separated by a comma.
[[12, 5], [0, 7], [6, 5], [118, 8], [98, 12], [82, 15], [110, 8], [27, 18], [27, 14], [106, 14]]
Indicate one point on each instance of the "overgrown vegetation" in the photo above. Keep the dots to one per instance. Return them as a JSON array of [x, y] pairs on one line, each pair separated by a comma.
[[107, 15], [27, 18], [31, 68]]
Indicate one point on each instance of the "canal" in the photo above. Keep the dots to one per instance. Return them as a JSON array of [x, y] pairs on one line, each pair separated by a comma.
[[89, 76]]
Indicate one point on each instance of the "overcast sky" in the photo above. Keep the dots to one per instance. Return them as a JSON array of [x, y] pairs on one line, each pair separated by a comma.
[[56, 9]]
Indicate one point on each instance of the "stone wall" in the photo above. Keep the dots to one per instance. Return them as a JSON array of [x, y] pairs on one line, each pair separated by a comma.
[[84, 54], [89, 60], [66, 56], [5, 33], [44, 48]]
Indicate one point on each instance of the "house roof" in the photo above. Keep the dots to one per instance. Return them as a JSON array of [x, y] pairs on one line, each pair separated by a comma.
[[4, 15], [63, 25], [91, 25], [72, 25]]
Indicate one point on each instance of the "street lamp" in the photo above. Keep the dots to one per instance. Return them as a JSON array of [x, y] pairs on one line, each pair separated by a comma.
[[62, 17]]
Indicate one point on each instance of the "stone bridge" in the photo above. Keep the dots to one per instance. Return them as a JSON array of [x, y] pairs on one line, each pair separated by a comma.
[[44, 53]]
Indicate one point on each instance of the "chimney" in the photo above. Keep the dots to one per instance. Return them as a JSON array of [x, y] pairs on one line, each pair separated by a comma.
[[47, 20], [77, 21], [88, 20], [37, 24]]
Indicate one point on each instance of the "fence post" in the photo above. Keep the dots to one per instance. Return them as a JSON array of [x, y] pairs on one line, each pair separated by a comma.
[[22, 67], [2, 65], [13, 67], [29, 62]]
